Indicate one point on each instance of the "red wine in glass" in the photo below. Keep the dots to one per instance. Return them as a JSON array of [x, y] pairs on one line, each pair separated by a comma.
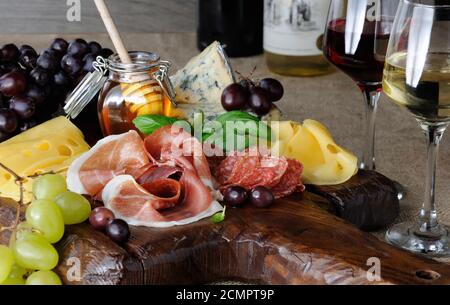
[[365, 63]]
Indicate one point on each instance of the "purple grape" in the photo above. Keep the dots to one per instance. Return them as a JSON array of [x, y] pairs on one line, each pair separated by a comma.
[[11, 66], [13, 83], [40, 76], [25, 125], [78, 48], [100, 217], [47, 61], [261, 197], [10, 53], [36, 93], [95, 48], [259, 101], [118, 230], [106, 53], [8, 121], [28, 59], [4, 136], [23, 106], [59, 45], [234, 97], [26, 47], [71, 64], [235, 196], [61, 79], [88, 61], [273, 87]]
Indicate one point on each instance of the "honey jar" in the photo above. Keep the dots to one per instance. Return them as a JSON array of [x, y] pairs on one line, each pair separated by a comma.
[[127, 90]]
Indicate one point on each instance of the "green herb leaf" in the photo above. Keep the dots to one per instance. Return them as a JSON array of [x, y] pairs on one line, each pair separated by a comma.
[[219, 217], [236, 116], [147, 124]]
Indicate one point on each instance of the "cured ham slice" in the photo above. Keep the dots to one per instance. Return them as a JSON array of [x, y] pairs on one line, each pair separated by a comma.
[[136, 205], [111, 156], [160, 182], [255, 168]]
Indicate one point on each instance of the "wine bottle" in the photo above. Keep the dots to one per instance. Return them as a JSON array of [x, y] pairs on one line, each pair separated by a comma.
[[293, 35], [237, 24]]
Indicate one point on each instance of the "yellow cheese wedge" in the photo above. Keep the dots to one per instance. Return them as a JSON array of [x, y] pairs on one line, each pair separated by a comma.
[[48, 147], [325, 162]]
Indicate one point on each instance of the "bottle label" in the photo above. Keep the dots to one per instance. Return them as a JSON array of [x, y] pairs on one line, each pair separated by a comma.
[[295, 27]]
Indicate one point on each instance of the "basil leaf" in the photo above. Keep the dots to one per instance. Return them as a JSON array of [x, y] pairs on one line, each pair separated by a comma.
[[147, 124], [236, 115], [219, 217]]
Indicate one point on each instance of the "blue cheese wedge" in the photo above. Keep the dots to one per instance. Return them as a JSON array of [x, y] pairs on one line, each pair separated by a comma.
[[199, 85]]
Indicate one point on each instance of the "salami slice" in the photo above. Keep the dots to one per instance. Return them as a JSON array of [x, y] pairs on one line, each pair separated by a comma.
[[290, 182]]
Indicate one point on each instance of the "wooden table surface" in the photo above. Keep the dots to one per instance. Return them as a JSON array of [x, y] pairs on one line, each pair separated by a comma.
[[333, 99]]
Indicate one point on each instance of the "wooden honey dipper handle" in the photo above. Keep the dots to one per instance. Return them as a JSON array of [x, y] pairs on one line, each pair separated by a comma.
[[112, 31]]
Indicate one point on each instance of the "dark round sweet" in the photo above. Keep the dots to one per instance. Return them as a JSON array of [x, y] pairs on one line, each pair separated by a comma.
[[36, 93], [274, 87], [235, 196], [95, 48], [40, 76], [71, 64], [106, 53], [10, 53], [118, 230], [100, 217], [78, 48], [259, 101], [59, 45], [48, 61], [8, 121], [234, 97], [23, 106], [28, 59], [13, 83], [261, 197], [88, 60]]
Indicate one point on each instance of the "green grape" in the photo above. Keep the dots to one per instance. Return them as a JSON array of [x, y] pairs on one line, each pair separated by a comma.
[[74, 207], [34, 252], [46, 217], [49, 186], [6, 262], [43, 278], [16, 276], [23, 229]]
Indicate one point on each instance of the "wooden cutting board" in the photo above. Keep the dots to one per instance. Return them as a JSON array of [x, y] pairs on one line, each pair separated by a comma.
[[296, 241]]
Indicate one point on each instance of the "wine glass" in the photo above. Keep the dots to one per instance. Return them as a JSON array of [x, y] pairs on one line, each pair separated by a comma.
[[355, 41], [417, 77]]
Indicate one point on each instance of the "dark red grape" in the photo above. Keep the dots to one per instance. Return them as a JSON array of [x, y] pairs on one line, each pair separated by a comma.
[[261, 197], [235, 196], [47, 61], [88, 60], [59, 45], [106, 53], [11, 66], [36, 93], [13, 83], [61, 79], [25, 125], [274, 87], [78, 48], [10, 53], [28, 59], [118, 231], [23, 106], [2, 101], [5, 136], [234, 97], [26, 47], [259, 101], [71, 65], [8, 121], [95, 48], [100, 217], [40, 76]]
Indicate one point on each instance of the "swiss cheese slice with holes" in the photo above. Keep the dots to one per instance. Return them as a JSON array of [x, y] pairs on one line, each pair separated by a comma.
[[48, 147]]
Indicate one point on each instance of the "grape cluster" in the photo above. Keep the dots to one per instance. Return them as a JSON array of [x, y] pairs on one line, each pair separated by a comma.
[[31, 256], [103, 219], [33, 87], [254, 96]]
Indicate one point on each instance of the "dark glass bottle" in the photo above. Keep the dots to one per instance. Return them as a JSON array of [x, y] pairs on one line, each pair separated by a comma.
[[237, 24]]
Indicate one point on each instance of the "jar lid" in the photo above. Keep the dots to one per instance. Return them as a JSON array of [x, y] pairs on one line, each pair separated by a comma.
[[93, 82]]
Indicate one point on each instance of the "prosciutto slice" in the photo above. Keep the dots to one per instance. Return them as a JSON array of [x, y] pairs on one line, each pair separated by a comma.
[[162, 182]]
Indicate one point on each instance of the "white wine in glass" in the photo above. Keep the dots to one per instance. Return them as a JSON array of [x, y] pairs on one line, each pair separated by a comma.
[[417, 77]]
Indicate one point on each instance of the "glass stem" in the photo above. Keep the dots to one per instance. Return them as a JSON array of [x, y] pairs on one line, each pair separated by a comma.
[[371, 97], [428, 213]]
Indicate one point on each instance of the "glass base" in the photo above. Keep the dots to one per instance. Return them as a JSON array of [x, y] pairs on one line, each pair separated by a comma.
[[410, 237]]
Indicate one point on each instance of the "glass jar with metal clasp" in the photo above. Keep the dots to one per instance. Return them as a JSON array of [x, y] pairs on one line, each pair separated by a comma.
[[126, 91]]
